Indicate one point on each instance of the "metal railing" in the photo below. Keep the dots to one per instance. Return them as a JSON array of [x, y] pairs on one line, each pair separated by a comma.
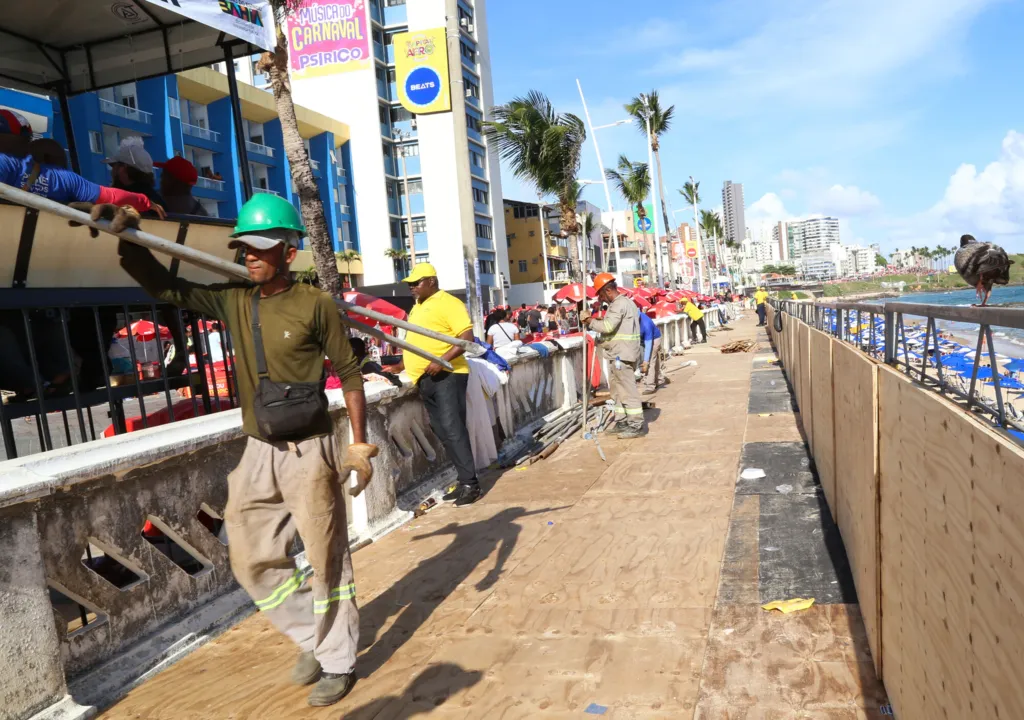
[[341, 172], [266, 191], [72, 386], [260, 149], [123, 111], [346, 210], [209, 183], [928, 352], [315, 164], [200, 132]]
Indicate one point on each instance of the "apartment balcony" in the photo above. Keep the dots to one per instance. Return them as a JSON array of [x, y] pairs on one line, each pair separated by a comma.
[[210, 183], [342, 175], [266, 191], [200, 132], [259, 149], [123, 111], [346, 209], [314, 164]]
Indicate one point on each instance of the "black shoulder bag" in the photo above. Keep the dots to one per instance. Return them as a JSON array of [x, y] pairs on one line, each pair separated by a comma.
[[285, 411]]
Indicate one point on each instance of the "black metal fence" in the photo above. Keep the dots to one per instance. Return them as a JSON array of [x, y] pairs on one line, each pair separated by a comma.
[[910, 337], [62, 387]]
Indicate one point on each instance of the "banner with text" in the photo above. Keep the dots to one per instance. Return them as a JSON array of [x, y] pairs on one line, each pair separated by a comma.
[[327, 37], [421, 67], [248, 20]]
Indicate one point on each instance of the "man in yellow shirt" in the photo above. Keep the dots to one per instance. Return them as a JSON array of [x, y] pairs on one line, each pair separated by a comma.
[[696, 321], [443, 392], [760, 298]]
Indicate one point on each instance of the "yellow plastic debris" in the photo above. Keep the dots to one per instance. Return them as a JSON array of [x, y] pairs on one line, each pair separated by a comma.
[[788, 606], [764, 414]]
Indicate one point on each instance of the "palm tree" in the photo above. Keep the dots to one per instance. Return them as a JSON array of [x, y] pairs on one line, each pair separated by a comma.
[[654, 121], [347, 257], [275, 65], [400, 256], [543, 146], [633, 181], [691, 192]]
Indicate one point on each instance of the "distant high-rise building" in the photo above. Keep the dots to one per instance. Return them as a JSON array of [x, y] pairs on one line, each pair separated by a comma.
[[780, 238], [732, 210], [820, 233]]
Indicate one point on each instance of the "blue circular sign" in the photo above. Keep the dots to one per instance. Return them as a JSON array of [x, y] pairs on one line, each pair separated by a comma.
[[644, 223], [423, 86]]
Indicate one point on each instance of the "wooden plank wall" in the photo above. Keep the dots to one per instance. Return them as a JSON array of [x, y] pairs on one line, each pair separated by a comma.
[[821, 419], [855, 409], [804, 399], [952, 551]]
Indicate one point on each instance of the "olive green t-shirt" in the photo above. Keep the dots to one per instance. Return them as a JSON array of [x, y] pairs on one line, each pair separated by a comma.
[[299, 325]]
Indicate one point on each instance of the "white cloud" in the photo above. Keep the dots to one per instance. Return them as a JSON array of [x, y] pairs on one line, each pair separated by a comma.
[[844, 201], [814, 54], [768, 208], [988, 204]]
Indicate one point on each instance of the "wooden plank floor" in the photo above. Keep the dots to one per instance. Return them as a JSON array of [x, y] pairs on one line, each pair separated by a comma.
[[572, 583]]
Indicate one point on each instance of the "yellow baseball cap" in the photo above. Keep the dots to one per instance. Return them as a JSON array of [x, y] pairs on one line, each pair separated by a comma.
[[420, 271]]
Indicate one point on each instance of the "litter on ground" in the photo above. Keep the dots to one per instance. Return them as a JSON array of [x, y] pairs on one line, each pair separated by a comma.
[[788, 606]]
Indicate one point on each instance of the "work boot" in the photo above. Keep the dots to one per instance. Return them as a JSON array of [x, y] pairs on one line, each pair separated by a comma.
[[306, 670], [616, 428], [631, 433], [331, 688], [456, 491], [649, 391], [469, 495]]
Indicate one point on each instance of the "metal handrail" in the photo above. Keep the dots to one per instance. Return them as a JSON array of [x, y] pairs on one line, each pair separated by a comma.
[[834, 318], [200, 132], [124, 111]]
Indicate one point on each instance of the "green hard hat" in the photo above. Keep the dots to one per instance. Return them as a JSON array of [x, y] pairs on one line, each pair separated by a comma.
[[267, 212]]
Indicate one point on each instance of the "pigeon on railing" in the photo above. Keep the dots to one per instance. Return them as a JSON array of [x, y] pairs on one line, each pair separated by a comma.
[[981, 265]]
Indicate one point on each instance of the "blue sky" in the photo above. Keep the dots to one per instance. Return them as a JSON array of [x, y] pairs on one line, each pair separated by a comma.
[[900, 117]]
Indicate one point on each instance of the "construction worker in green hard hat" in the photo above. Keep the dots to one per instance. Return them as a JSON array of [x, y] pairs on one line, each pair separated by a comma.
[[287, 480]]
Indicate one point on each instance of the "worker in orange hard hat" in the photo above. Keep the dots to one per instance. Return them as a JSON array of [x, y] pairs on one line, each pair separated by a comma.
[[620, 341]]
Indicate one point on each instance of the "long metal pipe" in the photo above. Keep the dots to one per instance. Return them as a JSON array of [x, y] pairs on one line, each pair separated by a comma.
[[230, 270]]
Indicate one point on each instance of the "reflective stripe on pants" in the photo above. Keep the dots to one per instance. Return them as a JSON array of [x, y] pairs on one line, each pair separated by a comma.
[[622, 384], [274, 495]]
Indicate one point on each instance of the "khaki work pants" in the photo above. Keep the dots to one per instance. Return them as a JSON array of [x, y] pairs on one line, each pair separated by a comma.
[[653, 367], [622, 384], [277, 491]]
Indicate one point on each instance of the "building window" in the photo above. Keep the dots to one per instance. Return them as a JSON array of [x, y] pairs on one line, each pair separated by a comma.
[[419, 225], [96, 142], [393, 3], [487, 267], [173, 107], [472, 89], [465, 16], [415, 187], [483, 231], [473, 123], [467, 52], [477, 159], [522, 266], [480, 196]]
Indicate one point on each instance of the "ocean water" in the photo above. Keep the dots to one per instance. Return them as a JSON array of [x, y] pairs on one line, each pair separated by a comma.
[[1007, 340]]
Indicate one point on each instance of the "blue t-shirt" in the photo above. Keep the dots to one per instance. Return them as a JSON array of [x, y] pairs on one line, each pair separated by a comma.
[[53, 182], [649, 332]]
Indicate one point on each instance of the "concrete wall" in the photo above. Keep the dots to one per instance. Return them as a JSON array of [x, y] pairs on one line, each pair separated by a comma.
[[930, 505], [99, 495]]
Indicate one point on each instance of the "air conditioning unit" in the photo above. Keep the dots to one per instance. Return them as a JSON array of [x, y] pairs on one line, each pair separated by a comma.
[[464, 22], [412, 123], [469, 92], [469, 27]]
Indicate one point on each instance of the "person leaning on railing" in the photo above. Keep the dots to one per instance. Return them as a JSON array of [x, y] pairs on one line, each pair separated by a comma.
[[287, 481]]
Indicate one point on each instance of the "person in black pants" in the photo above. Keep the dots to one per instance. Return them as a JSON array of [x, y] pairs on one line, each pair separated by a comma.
[[443, 392]]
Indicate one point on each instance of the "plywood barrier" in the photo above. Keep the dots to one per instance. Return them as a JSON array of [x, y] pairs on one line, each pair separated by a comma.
[[803, 382], [855, 409], [952, 549], [820, 418]]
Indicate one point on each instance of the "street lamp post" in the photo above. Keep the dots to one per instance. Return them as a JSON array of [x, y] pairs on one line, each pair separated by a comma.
[[400, 138], [607, 191]]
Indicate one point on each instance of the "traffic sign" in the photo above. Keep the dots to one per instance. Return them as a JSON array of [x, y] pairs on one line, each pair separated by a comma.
[[691, 252], [644, 224]]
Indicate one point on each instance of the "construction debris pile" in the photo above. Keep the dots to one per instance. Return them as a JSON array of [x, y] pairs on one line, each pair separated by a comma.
[[739, 346], [555, 431]]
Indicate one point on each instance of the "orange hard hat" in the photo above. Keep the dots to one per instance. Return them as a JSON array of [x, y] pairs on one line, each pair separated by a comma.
[[602, 279]]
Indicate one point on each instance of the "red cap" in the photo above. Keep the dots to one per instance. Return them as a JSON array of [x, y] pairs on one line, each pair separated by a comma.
[[180, 168], [12, 123]]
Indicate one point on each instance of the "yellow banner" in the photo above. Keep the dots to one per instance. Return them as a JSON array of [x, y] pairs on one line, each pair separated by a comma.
[[421, 69]]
